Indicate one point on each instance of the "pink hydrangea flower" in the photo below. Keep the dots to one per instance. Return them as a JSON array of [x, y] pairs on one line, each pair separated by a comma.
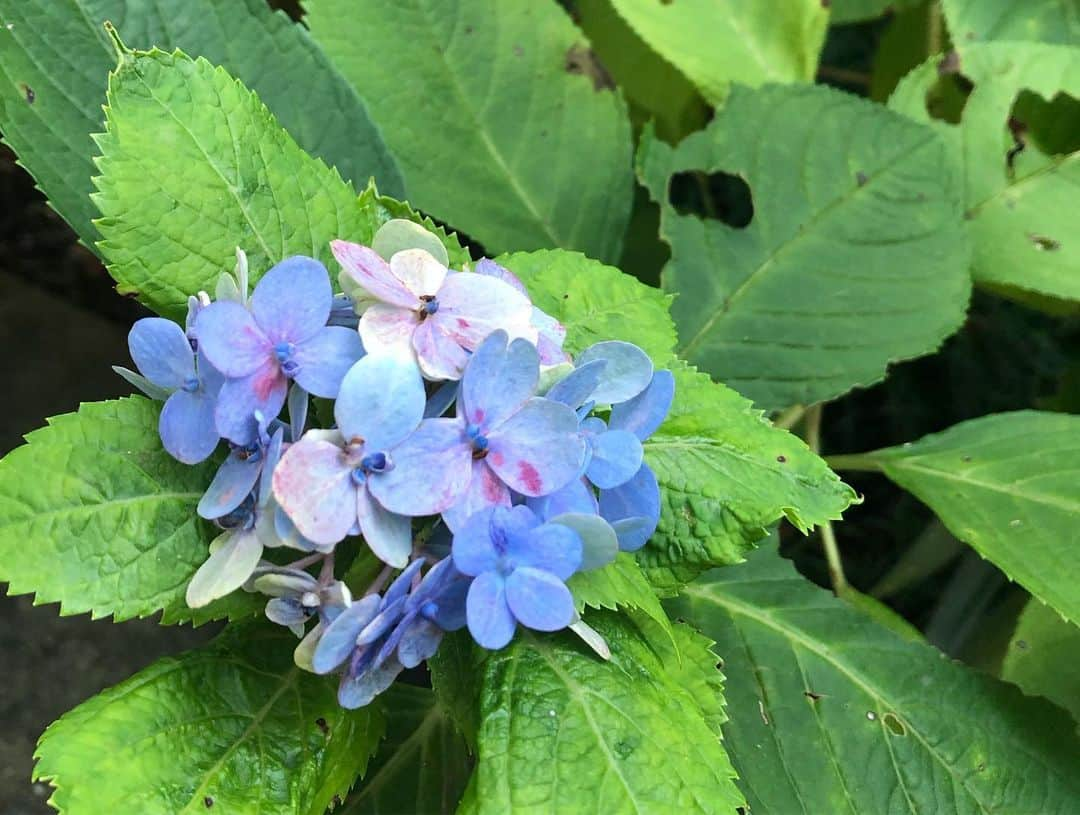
[[439, 315]]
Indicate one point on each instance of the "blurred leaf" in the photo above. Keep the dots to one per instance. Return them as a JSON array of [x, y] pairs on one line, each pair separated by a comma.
[[1054, 21], [54, 64], [902, 48], [856, 255], [830, 712], [1006, 485], [856, 11], [234, 727], [718, 42], [502, 122], [192, 166], [1019, 200], [1044, 657]]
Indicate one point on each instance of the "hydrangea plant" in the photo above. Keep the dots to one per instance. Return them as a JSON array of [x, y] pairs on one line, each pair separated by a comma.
[[480, 535]]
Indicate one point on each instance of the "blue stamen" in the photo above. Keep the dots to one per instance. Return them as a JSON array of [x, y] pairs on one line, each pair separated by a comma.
[[430, 306], [191, 384], [359, 476], [374, 463]]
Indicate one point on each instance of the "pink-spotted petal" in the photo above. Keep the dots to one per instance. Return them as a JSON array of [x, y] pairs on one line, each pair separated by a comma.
[[231, 340], [263, 391], [292, 301], [539, 600], [471, 306], [388, 535], [440, 356], [429, 470], [418, 271], [498, 380], [385, 327], [313, 485], [485, 490], [369, 271], [538, 449], [490, 620]]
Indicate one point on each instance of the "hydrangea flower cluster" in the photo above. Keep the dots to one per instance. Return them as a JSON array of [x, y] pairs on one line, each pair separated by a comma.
[[479, 463]]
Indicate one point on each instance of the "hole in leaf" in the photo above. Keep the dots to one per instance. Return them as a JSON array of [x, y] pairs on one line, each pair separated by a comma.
[[895, 726], [1051, 126], [719, 196]]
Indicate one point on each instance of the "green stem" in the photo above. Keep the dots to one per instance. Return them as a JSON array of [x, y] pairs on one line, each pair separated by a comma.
[[934, 29], [813, 427], [832, 556], [787, 419], [855, 462]]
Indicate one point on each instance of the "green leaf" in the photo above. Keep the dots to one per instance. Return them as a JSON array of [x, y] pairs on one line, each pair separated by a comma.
[[856, 255], [563, 731], [832, 713], [653, 86], [726, 475], [1054, 21], [1006, 484], [620, 584], [235, 727], [1044, 657], [59, 50], [489, 111], [194, 165], [857, 11], [95, 515], [423, 765], [717, 42], [1018, 209], [595, 302], [386, 208]]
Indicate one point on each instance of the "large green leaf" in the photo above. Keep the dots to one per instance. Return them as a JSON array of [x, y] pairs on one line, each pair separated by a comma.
[[502, 124], [1055, 21], [423, 765], [620, 584], [831, 713], [1006, 484], [1018, 204], [96, 516], [234, 728], [726, 476], [194, 165], [717, 42], [856, 255], [563, 731], [56, 53], [595, 302], [1044, 657]]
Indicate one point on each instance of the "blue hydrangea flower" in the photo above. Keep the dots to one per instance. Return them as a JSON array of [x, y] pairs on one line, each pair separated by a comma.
[[283, 335], [504, 438], [163, 354], [296, 597], [520, 567], [327, 489], [377, 637]]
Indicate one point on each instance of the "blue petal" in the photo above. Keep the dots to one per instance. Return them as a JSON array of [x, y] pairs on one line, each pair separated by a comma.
[[430, 470], [286, 611], [420, 641], [298, 410], [576, 387], [271, 456], [161, 352], [360, 690], [187, 427], [498, 380], [381, 400], [646, 411], [232, 483], [539, 600], [616, 457], [339, 638], [292, 301], [491, 622], [387, 534], [599, 542], [552, 547], [323, 359], [575, 497], [381, 624], [240, 399], [627, 373], [402, 583], [485, 491], [231, 339], [633, 509], [538, 450], [473, 549]]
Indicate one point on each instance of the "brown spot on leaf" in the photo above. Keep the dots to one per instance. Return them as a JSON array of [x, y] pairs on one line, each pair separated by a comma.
[[861, 178], [782, 459], [813, 697], [1043, 243], [583, 60], [323, 726], [468, 29], [950, 64], [208, 802], [519, 51], [28, 93]]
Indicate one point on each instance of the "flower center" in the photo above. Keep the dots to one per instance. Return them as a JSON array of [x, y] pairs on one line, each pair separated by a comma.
[[428, 305], [478, 440], [191, 384], [370, 464], [283, 352]]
